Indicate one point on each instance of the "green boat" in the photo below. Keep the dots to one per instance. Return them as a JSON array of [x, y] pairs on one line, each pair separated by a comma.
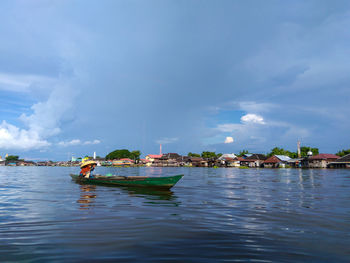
[[142, 181]]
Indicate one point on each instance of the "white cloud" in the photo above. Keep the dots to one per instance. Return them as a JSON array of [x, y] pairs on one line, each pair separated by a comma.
[[166, 140], [229, 139], [11, 137], [69, 143], [75, 142], [92, 142], [45, 120], [252, 118]]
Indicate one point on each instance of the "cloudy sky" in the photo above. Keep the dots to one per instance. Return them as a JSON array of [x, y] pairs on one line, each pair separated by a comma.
[[84, 76]]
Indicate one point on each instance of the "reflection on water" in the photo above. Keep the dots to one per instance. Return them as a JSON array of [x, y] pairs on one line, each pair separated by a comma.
[[211, 215], [87, 196]]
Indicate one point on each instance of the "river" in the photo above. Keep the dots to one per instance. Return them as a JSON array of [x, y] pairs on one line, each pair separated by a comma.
[[210, 215]]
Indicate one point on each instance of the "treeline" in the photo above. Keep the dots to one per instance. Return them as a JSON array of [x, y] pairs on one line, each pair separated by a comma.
[[275, 151], [208, 155], [343, 152], [124, 153]]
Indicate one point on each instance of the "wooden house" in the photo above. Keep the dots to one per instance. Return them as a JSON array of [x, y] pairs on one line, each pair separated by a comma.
[[342, 162], [254, 160], [321, 160], [198, 162], [276, 161]]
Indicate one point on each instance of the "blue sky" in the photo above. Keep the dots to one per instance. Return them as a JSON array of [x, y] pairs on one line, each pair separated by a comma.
[[84, 76]]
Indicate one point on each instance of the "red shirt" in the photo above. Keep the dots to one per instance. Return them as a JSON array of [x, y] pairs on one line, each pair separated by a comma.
[[85, 169]]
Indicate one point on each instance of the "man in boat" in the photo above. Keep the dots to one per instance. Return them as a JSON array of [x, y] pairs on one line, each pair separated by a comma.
[[87, 168]]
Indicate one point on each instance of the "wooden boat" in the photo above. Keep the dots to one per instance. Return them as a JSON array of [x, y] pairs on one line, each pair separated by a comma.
[[143, 181]]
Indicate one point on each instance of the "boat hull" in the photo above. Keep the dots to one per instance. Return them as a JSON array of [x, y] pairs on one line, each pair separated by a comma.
[[138, 181]]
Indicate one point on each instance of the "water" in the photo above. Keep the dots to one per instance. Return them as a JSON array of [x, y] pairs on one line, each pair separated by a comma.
[[211, 215]]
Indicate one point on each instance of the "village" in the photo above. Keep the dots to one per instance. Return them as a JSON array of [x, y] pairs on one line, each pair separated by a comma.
[[207, 159]]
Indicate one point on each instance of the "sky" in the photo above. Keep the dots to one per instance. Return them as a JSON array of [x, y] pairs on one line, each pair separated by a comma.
[[83, 76]]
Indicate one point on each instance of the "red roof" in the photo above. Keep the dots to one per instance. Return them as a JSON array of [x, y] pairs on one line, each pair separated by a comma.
[[155, 156], [324, 156], [241, 159], [272, 159]]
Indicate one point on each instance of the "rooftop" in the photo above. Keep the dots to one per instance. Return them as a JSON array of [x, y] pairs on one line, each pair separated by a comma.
[[324, 156]]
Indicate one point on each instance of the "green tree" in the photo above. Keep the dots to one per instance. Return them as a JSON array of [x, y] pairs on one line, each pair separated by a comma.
[[118, 154], [193, 154], [243, 152], [123, 153], [305, 149], [281, 151], [208, 155], [11, 158], [135, 155], [343, 152]]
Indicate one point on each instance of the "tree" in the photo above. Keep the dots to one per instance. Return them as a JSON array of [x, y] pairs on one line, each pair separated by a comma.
[[343, 152], [281, 151], [241, 153], [135, 155], [12, 158], [305, 149], [123, 153], [118, 154], [208, 155], [193, 154]]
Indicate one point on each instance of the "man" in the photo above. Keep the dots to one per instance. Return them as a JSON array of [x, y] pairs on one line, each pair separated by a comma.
[[87, 168]]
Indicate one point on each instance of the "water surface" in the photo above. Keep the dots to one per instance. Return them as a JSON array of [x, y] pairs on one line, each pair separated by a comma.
[[211, 215]]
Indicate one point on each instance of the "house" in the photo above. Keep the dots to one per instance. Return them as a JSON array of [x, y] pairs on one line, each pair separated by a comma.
[[229, 162], [184, 161], [342, 162], [322, 160], [276, 161], [198, 162], [227, 155], [169, 159], [254, 160], [153, 157], [295, 163]]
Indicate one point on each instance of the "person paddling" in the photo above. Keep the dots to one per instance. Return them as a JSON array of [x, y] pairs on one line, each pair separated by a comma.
[[87, 168]]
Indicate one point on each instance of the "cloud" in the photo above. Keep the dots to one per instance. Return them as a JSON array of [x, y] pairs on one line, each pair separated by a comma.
[[229, 140], [45, 120], [166, 140], [11, 137], [252, 118], [70, 143], [75, 142], [23, 82], [92, 142]]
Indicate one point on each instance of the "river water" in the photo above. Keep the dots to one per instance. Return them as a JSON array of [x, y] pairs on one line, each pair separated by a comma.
[[211, 215]]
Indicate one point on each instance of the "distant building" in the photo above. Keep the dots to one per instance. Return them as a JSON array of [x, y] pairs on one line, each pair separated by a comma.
[[276, 161], [227, 155], [322, 160], [342, 162], [198, 162], [253, 160], [152, 158]]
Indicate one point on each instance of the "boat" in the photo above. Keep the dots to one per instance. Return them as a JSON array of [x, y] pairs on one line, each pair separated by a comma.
[[135, 181]]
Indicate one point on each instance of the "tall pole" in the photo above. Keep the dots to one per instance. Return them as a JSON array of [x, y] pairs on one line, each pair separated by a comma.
[[160, 149], [299, 152]]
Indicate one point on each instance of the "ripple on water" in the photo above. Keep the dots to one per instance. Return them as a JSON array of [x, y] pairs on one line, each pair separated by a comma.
[[261, 215]]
